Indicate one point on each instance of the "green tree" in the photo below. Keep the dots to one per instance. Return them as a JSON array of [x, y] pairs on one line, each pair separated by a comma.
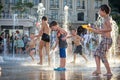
[[115, 7], [29, 5], [20, 7], [1, 7]]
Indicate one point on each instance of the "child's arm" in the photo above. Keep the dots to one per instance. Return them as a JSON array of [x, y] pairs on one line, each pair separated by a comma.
[[63, 31], [69, 36], [66, 37], [55, 44], [80, 38], [40, 32]]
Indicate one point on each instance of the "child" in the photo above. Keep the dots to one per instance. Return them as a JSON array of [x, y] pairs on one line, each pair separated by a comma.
[[76, 40], [45, 40], [32, 45], [61, 34], [106, 42]]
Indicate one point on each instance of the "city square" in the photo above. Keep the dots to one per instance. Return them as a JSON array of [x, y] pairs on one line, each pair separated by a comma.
[[59, 40]]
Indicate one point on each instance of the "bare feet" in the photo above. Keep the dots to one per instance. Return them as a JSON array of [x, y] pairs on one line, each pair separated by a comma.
[[73, 62], [96, 73], [40, 63], [108, 74]]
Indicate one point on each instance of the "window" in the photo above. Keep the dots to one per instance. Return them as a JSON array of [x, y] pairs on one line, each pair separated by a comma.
[[36, 2], [97, 3], [15, 1], [80, 16], [54, 15], [7, 2], [80, 4], [68, 3], [25, 1], [54, 3], [83, 4]]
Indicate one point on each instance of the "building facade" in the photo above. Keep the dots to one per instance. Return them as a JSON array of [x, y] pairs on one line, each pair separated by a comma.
[[79, 12]]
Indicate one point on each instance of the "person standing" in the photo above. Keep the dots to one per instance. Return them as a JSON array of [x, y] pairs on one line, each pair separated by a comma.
[[61, 41], [45, 40], [106, 42]]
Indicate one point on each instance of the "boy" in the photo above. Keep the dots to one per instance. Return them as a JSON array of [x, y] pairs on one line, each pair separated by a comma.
[[45, 40], [61, 34], [32, 45], [106, 42], [78, 48]]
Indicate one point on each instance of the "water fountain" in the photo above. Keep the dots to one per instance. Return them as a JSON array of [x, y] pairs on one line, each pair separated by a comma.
[[40, 12], [5, 47], [114, 35], [15, 22], [65, 24]]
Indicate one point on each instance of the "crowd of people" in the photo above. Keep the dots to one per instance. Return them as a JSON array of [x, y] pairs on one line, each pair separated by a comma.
[[16, 42]]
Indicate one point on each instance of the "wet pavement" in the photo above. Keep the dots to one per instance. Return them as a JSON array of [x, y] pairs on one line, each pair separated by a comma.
[[19, 70]]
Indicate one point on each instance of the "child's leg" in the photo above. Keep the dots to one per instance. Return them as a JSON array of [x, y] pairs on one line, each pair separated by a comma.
[[62, 62], [84, 57], [40, 52], [47, 45], [74, 58], [97, 60], [62, 57], [107, 66], [31, 54]]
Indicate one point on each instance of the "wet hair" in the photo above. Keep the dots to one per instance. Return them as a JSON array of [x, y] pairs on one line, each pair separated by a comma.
[[105, 8], [17, 32], [74, 29], [44, 18], [32, 33], [53, 23]]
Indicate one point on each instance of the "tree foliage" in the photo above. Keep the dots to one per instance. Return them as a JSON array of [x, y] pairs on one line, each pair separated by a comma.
[[1, 6], [22, 7], [115, 7]]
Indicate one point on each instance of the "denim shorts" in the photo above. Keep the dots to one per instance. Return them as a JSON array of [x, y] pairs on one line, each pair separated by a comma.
[[62, 52]]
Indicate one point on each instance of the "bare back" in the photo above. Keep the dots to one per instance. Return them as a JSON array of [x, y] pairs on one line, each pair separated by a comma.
[[45, 28]]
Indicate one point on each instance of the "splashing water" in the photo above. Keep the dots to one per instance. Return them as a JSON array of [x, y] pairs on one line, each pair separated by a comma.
[[114, 35]]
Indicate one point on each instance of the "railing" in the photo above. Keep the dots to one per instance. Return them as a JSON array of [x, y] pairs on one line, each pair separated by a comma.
[[10, 16]]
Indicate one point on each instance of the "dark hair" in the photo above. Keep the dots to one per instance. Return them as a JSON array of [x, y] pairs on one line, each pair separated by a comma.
[[105, 8], [1, 33], [74, 29], [53, 23], [44, 18], [17, 32]]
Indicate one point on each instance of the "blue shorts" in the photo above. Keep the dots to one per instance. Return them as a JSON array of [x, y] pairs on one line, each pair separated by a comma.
[[62, 52]]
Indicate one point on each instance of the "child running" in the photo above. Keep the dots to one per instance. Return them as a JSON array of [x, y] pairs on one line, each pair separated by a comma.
[[61, 34], [77, 42], [32, 45]]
